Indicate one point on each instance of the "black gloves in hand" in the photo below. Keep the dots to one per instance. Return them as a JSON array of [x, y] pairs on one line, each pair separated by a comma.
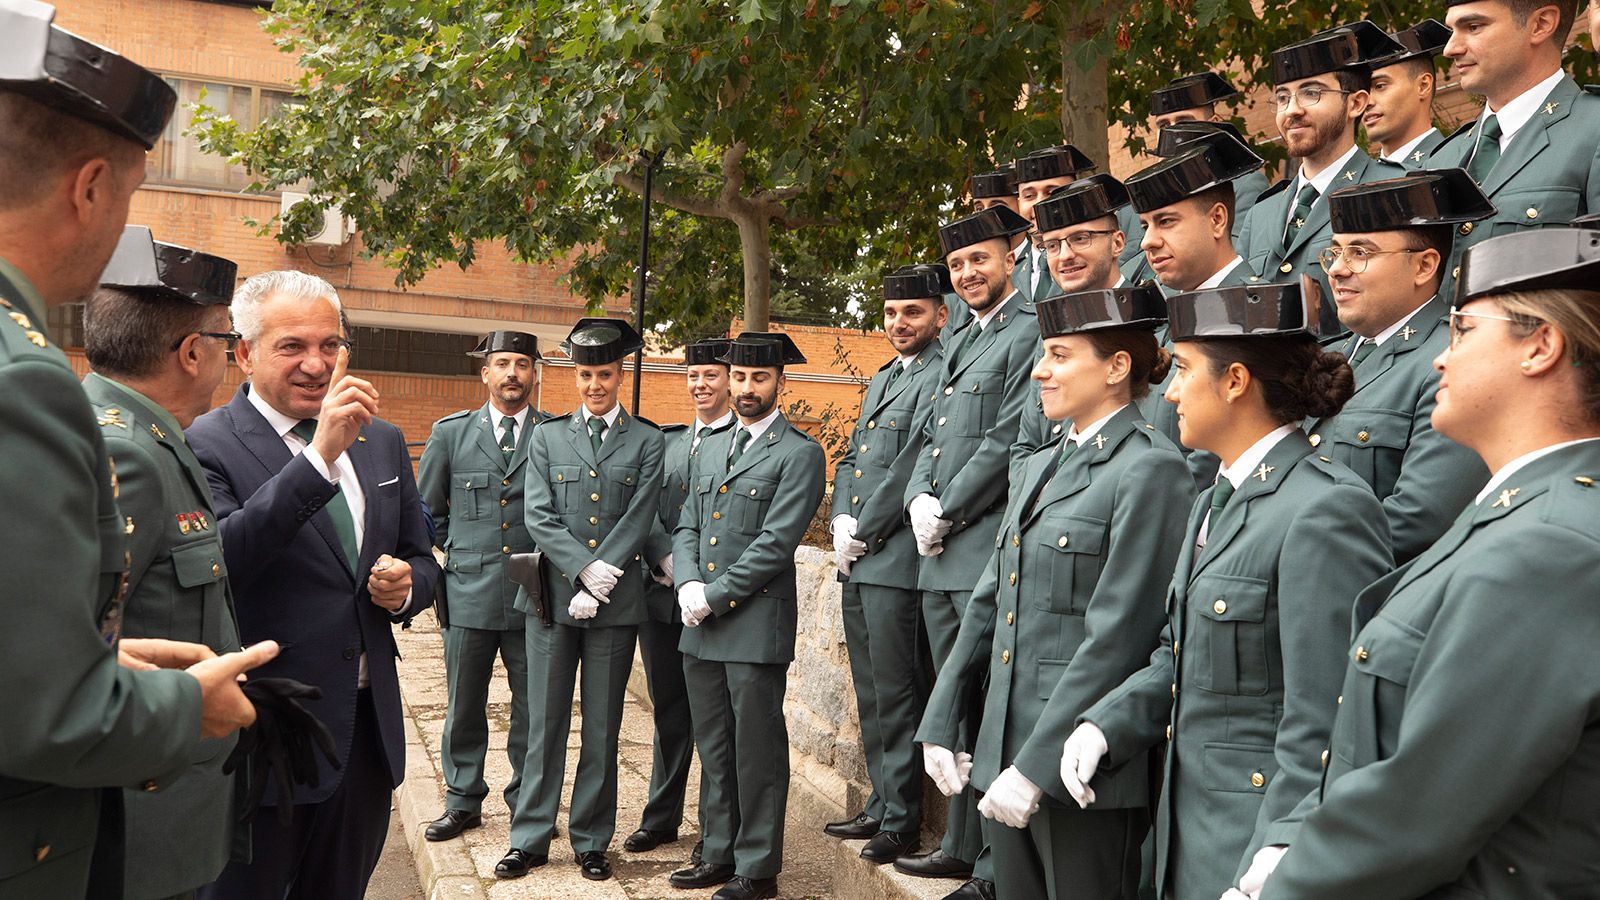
[[284, 739]]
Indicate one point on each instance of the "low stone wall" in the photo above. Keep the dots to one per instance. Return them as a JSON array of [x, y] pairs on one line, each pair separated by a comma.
[[824, 732]]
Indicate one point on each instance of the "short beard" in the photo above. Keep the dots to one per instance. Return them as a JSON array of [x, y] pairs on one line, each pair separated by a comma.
[[997, 291], [764, 406]]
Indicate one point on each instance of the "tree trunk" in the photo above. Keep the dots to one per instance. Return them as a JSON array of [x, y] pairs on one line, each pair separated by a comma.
[[755, 245], [1083, 94]]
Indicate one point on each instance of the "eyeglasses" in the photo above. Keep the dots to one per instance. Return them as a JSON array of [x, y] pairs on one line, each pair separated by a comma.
[[1456, 328], [1079, 241], [231, 338], [1308, 95], [1356, 258]]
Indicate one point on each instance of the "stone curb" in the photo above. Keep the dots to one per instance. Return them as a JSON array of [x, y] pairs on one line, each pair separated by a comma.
[[444, 868]]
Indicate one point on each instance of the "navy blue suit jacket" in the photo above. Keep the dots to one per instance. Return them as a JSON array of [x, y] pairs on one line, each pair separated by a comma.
[[289, 576]]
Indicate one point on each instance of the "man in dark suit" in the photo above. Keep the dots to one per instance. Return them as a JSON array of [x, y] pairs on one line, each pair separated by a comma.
[[327, 546]]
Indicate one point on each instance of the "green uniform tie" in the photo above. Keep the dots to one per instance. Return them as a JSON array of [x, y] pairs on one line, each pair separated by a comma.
[[1302, 209], [1051, 468], [739, 441], [1487, 152], [965, 342], [508, 436], [1363, 350], [597, 430], [344, 524], [895, 368], [1219, 496], [699, 438]]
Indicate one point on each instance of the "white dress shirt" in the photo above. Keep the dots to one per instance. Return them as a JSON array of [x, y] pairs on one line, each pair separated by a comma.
[[1321, 181], [714, 424], [756, 429], [1519, 110], [1078, 437], [1404, 150], [1216, 280], [1243, 467], [1511, 468], [610, 419]]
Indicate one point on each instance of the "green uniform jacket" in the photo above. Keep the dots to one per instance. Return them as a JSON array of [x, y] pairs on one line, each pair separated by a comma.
[[1069, 606], [1548, 175], [1261, 243], [1247, 189], [870, 480], [977, 407], [76, 721], [1463, 758], [1385, 435], [1417, 157], [581, 508], [738, 534], [677, 473], [1245, 679], [179, 838], [475, 497]]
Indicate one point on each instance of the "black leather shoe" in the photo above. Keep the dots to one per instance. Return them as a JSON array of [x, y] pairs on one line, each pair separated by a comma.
[[934, 865], [888, 846], [862, 826], [645, 840], [702, 875], [698, 855], [452, 823], [974, 889], [595, 865], [742, 888], [518, 863]]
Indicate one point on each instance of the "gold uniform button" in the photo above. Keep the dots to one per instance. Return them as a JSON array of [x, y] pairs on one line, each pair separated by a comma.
[[1062, 541], [1013, 578], [1169, 732], [1314, 440], [716, 515], [595, 521], [936, 453], [1286, 268], [871, 425], [949, 390], [560, 477], [1174, 690], [505, 482], [505, 502], [1324, 759], [713, 541], [593, 474], [1361, 654], [942, 420], [863, 448], [1016, 539], [215, 570], [711, 567], [1363, 436], [1533, 213], [1011, 617], [858, 475], [1339, 701], [41, 853], [593, 543], [732, 604], [595, 497], [1005, 657], [1220, 607], [1257, 779], [149, 787], [1466, 228], [505, 549], [753, 490], [723, 489], [504, 526], [854, 499]]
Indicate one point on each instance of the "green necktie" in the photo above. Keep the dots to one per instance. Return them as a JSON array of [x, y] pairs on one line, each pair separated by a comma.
[[699, 438], [1054, 466], [965, 342], [1302, 209], [1363, 350], [597, 430], [508, 436], [895, 370], [1219, 496], [1487, 152], [344, 524], [739, 441]]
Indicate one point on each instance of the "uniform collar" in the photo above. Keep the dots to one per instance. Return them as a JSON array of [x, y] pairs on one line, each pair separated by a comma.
[[1249, 459], [721, 421], [983, 321], [1389, 332], [1404, 150], [1216, 279], [1078, 437], [758, 428], [1511, 468], [1520, 109], [1324, 178], [610, 417], [33, 303], [154, 409]]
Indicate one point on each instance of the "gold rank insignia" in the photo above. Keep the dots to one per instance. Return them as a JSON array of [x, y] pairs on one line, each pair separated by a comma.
[[1417, 156], [183, 523], [1264, 471], [113, 416], [156, 430], [1505, 498], [20, 319], [1550, 108], [128, 528], [1407, 332], [37, 339], [1350, 175]]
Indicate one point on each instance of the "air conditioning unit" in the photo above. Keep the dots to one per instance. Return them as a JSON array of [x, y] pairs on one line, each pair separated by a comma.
[[337, 228]]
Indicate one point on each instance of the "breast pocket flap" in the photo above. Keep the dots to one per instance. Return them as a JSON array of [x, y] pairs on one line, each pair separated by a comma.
[[199, 563], [1230, 598]]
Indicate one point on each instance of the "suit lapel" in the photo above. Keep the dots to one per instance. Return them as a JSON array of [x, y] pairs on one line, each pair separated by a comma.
[[1411, 336], [1077, 471], [917, 366], [578, 433], [615, 436], [1532, 138], [361, 460], [520, 455], [758, 447], [1266, 478], [486, 428], [1008, 310]]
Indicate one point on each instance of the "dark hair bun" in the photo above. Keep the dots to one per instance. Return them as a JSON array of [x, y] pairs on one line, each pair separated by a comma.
[[1163, 365], [1329, 384]]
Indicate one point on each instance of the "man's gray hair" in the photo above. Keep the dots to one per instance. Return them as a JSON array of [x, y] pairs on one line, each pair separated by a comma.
[[258, 289]]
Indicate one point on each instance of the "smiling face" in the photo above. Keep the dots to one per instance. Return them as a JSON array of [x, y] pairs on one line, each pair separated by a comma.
[[1092, 268], [755, 391], [1180, 241], [1311, 131], [911, 325], [290, 363], [1030, 193], [511, 378], [598, 386], [1395, 281], [1074, 381], [1492, 54], [708, 390], [981, 273], [1399, 104]]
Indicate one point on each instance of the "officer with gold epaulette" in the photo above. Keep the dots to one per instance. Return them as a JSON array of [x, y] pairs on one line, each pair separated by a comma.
[[876, 554], [1193, 99], [75, 122], [471, 479], [591, 501], [157, 337]]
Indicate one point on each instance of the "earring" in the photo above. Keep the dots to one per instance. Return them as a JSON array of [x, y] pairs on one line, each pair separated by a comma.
[[1526, 365]]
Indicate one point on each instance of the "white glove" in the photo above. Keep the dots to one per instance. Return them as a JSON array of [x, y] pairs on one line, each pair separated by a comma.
[[948, 771], [1234, 894], [665, 565], [1080, 757], [930, 550], [1262, 865], [928, 523], [599, 577], [844, 539], [692, 603], [583, 606], [1011, 800]]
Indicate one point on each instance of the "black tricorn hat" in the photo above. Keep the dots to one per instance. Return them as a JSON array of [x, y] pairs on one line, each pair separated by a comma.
[[1084, 200], [1205, 162], [1254, 310], [1172, 140], [706, 352], [65, 72], [1533, 260], [1424, 39], [595, 341], [1138, 306], [1189, 92], [143, 265], [1002, 182], [763, 350], [918, 282], [507, 342], [1060, 161], [984, 225], [1417, 199], [1352, 46]]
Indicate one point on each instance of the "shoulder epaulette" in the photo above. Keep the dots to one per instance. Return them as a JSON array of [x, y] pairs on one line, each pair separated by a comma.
[[540, 415], [114, 418], [673, 428], [1591, 88], [550, 419], [1573, 501], [455, 415], [647, 422]]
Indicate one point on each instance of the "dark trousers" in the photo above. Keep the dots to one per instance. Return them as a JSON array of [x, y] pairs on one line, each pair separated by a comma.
[[469, 655], [882, 627], [673, 746], [1067, 853], [963, 839], [329, 849], [743, 742]]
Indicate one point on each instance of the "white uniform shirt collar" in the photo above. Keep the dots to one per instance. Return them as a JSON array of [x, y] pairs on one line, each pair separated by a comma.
[[1122, 281], [1520, 109], [280, 423], [716, 423], [1510, 468], [1216, 280], [610, 417], [1078, 437], [1322, 179], [1389, 332], [1249, 459], [757, 429], [1404, 150], [988, 316]]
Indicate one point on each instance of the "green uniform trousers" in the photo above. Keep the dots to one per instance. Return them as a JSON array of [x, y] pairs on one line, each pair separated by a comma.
[[597, 662], [469, 668], [963, 840], [674, 736], [882, 628], [1067, 853], [743, 741]]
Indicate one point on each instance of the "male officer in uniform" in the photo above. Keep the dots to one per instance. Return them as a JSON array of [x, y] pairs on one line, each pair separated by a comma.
[[1039, 173], [1390, 242], [591, 503], [1399, 118], [756, 486], [471, 478], [1194, 98], [73, 134], [1533, 148], [876, 553], [659, 634], [957, 489], [997, 188], [1320, 92], [157, 338]]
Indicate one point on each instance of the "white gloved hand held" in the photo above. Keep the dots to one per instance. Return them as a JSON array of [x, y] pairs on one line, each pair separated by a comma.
[[927, 519], [692, 603], [1080, 757], [599, 577], [942, 767], [1011, 800], [845, 545], [1261, 866], [583, 606]]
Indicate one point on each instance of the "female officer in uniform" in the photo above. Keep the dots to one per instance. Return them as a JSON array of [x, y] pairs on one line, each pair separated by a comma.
[[1464, 757], [1244, 682], [1070, 604]]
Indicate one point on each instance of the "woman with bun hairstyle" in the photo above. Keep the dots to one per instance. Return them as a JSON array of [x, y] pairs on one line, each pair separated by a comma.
[[1244, 684], [1070, 604]]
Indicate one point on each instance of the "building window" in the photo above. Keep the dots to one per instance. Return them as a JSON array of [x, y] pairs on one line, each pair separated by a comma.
[[177, 158]]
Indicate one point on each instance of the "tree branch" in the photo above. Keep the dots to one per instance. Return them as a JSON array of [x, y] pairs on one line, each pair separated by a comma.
[[733, 171], [696, 206]]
